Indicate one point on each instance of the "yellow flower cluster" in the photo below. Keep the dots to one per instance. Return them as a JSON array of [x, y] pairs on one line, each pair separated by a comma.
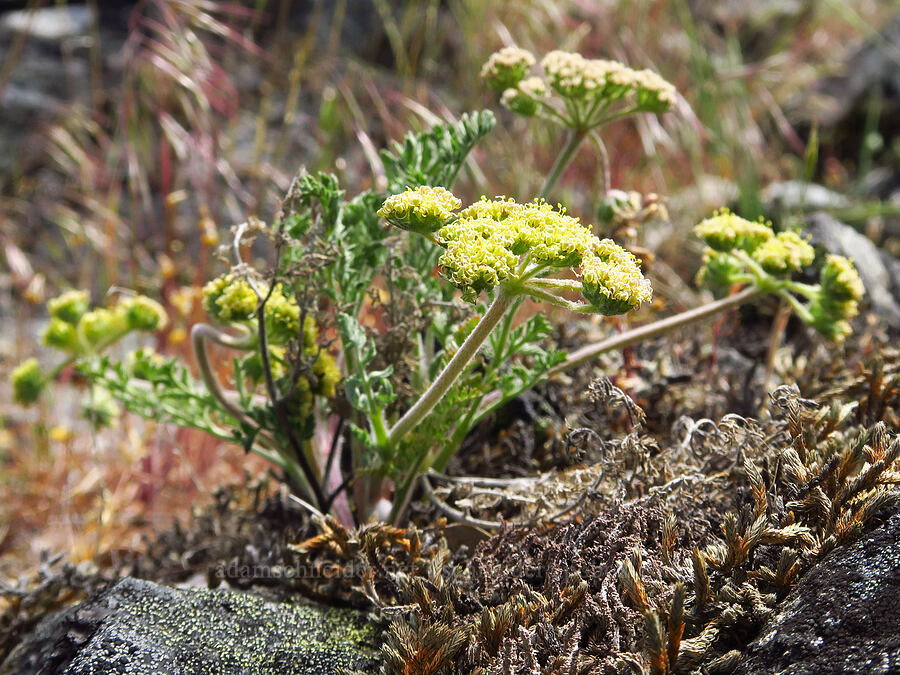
[[230, 299], [77, 329], [506, 68], [777, 254], [841, 289], [576, 77], [27, 382], [784, 253], [423, 209], [725, 231], [499, 241], [612, 280]]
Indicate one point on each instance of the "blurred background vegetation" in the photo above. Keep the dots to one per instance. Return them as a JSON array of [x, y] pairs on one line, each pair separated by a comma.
[[133, 134]]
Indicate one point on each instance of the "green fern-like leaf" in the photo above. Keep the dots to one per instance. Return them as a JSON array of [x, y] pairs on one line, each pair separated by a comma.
[[434, 157]]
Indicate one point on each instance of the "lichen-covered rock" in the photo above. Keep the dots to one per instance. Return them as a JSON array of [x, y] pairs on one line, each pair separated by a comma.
[[141, 628], [843, 617]]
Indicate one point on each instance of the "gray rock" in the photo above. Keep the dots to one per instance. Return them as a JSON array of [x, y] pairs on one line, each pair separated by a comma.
[[141, 628], [799, 195], [49, 23], [879, 270], [843, 616]]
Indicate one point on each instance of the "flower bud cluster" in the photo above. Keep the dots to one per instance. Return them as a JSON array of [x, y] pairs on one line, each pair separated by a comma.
[[230, 299], [78, 330], [575, 78], [423, 209], [740, 251], [506, 68], [840, 290]]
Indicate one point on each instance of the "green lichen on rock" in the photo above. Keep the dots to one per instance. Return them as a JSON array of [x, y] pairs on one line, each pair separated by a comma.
[[141, 628]]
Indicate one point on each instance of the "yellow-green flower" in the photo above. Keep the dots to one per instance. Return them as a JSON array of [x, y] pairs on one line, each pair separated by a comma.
[[726, 231], [840, 280], [612, 281], [69, 307], [228, 299], [497, 242], [423, 209], [282, 317], [101, 327], [142, 313], [784, 253], [27, 382], [506, 68], [62, 335]]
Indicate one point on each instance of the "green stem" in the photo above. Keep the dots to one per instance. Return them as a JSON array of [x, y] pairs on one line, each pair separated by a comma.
[[452, 370], [545, 296], [801, 309], [562, 161], [200, 333], [651, 330]]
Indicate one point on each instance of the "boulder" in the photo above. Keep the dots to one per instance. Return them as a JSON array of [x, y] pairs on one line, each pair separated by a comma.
[[142, 628], [843, 616]]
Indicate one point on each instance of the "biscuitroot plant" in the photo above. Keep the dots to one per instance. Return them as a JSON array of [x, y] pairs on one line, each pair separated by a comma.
[[364, 353]]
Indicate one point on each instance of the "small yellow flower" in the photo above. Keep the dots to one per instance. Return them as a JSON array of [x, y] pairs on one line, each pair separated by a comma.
[[61, 335], [423, 209], [27, 382], [228, 298], [506, 68], [725, 231], [840, 280], [69, 307], [784, 253], [143, 313], [612, 281], [101, 327]]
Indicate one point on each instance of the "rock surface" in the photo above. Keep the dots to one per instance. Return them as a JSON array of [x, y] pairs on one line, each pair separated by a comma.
[[843, 617], [141, 628]]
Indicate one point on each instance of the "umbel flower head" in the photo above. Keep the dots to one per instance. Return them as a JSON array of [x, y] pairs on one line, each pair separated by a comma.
[[423, 209], [69, 307], [725, 231], [574, 77], [502, 243], [740, 251], [506, 68]]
